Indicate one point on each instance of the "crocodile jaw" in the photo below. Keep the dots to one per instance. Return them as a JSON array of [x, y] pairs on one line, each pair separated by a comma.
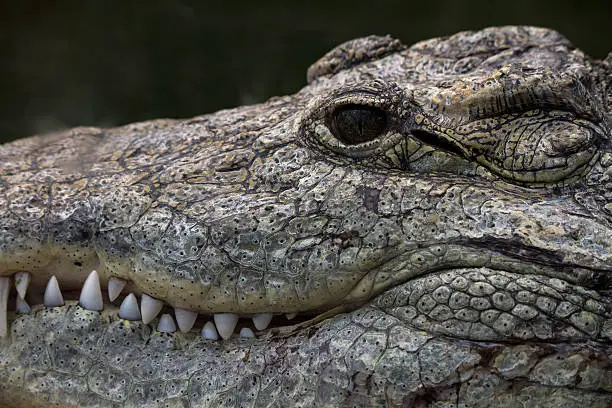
[[474, 278]]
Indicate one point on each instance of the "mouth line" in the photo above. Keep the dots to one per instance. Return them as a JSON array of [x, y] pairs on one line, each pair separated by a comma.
[[125, 306], [121, 294], [122, 302], [519, 252]]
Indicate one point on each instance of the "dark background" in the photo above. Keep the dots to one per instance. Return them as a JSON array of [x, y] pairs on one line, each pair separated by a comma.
[[106, 63]]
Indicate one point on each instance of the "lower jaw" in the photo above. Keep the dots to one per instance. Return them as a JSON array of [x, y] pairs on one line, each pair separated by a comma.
[[279, 323], [49, 345], [53, 349]]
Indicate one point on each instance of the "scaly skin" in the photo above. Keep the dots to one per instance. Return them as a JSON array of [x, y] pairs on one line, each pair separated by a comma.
[[462, 258]]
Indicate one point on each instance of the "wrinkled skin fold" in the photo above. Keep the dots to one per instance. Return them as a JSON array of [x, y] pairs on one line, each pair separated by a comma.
[[445, 209]]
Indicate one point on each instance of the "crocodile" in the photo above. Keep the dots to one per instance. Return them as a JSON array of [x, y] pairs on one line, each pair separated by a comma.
[[419, 226]]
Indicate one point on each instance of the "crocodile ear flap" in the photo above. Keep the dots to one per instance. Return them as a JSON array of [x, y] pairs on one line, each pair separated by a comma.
[[352, 53]]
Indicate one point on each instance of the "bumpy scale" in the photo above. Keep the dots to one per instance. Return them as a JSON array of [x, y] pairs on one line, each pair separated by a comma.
[[418, 226]]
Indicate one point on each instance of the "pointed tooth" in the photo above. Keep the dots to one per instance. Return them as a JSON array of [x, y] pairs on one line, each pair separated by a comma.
[[22, 280], [91, 294], [262, 320], [53, 296], [150, 308], [129, 308], [115, 286], [185, 319], [226, 323], [166, 324], [247, 333], [290, 316], [5, 285], [209, 331], [22, 306]]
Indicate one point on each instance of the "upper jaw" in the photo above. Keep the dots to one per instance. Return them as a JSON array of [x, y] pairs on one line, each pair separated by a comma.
[[516, 233]]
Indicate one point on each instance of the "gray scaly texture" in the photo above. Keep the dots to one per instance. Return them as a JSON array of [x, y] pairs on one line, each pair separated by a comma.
[[442, 212]]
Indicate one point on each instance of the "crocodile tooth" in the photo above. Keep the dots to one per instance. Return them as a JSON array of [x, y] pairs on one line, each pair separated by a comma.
[[166, 324], [115, 286], [262, 320], [150, 308], [21, 305], [5, 284], [91, 294], [53, 295], [22, 280], [209, 331], [290, 316], [247, 333], [129, 308], [226, 323], [185, 319]]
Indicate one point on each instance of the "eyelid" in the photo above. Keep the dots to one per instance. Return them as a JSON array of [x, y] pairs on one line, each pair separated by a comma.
[[388, 97], [358, 99], [499, 94]]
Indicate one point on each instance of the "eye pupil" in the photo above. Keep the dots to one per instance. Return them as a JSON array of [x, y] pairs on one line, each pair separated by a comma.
[[354, 124]]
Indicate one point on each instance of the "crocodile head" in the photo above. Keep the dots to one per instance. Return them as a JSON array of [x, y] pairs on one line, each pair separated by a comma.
[[438, 217]]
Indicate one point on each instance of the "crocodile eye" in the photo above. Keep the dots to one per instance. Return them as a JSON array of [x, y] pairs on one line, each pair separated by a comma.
[[355, 124]]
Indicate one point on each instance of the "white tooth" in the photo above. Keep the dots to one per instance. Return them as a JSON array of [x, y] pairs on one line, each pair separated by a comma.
[[262, 320], [129, 308], [290, 316], [166, 324], [185, 319], [22, 306], [53, 296], [209, 331], [22, 280], [226, 323], [5, 284], [91, 294], [150, 308], [115, 286], [247, 333]]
